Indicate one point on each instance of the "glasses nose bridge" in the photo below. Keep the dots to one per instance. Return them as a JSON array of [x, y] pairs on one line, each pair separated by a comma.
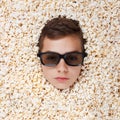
[[62, 56]]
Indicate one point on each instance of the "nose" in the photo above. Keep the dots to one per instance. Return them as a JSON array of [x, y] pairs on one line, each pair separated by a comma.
[[62, 66]]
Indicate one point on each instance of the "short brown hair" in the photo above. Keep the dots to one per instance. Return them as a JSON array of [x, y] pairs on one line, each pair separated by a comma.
[[60, 27]]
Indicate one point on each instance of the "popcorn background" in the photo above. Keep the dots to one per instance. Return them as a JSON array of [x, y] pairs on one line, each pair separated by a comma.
[[26, 95]]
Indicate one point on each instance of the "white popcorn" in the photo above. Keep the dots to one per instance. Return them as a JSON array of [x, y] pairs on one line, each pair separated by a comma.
[[26, 94], [3, 70]]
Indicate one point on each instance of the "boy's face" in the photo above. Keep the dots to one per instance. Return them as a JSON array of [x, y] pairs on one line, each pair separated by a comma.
[[62, 75]]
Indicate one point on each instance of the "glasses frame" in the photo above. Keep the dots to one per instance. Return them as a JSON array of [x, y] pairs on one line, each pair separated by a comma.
[[62, 56]]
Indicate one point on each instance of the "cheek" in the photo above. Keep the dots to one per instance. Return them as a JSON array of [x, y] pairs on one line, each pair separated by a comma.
[[46, 71], [75, 71]]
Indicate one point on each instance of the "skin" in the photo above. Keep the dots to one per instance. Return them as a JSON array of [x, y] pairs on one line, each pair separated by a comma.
[[71, 73]]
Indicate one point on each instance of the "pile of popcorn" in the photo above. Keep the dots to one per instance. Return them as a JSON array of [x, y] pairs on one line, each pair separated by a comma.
[[24, 92]]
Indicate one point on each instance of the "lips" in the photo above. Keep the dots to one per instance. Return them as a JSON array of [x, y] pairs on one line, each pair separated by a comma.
[[61, 79]]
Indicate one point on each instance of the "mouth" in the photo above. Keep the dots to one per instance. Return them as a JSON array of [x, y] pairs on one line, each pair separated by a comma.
[[61, 79]]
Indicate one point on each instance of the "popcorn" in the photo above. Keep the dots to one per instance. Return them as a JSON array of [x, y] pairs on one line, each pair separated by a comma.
[[24, 92]]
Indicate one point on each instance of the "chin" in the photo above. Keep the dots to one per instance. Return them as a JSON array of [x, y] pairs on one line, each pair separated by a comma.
[[62, 87]]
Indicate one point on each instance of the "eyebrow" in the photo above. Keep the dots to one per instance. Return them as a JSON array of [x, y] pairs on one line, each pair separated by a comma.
[[65, 52]]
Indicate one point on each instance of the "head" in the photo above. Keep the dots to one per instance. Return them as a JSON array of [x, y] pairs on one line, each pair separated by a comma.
[[61, 51]]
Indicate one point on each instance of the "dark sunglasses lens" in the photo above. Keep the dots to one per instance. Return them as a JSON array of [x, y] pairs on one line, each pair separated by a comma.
[[50, 59], [74, 59]]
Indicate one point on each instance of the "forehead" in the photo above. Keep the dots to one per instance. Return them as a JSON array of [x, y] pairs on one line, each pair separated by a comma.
[[62, 45]]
